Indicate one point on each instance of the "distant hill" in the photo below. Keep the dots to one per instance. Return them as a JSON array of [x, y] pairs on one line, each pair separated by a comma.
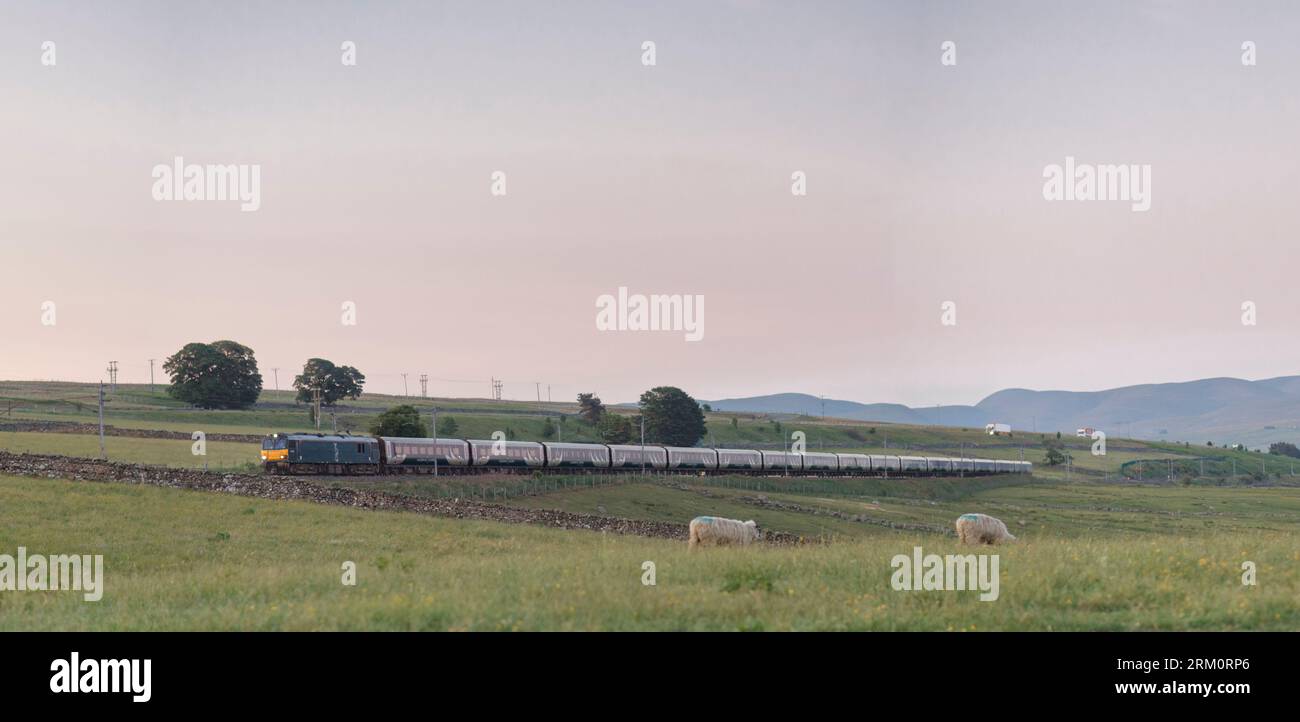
[[1222, 410]]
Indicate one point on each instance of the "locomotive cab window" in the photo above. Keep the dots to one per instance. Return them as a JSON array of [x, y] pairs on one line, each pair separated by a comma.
[[361, 448]]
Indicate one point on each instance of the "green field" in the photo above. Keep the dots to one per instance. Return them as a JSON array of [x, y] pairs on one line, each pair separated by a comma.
[[1095, 549], [136, 407], [221, 455], [190, 560]]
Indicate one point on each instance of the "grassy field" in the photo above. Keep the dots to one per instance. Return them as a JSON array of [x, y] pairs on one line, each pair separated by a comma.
[[163, 452], [1032, 511], [190, 560], [1093, 553], [135, 406]]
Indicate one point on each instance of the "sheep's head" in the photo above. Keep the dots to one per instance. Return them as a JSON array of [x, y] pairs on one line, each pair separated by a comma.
[[758, 533]]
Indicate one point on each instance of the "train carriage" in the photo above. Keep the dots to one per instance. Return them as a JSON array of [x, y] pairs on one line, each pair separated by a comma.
[[634, 456], [581, 456], [680, 457], [739, 460], [782, 461], [938, 465], [854, 463], [984, 466], [913, 464], [817, 461], [528, 454], [410, 454], [886, 463], [963, 465]]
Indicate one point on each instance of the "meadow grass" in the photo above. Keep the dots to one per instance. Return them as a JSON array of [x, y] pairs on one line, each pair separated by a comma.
[[191, 560], [135, 406], [163, 452]]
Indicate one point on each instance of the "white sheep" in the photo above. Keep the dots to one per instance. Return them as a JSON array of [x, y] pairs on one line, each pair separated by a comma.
[[981, 529], [717, 530]]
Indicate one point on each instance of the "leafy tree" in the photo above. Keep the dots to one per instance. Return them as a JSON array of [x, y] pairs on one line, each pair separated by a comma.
[[707, 408], [590, 408], [735, 422], [335, 382], [672, 417], [1284, 448], [447, 426], [217, 375], [1055, 455], [548, 428], [615, 429], [401, 420]]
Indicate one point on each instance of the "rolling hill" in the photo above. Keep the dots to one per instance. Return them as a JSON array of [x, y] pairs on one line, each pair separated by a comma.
[[1223, 410]]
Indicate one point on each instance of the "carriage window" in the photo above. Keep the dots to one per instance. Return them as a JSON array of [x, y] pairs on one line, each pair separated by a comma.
[[361, 448]]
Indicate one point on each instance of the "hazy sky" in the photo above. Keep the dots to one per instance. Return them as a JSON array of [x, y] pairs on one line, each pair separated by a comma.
[[924, 185]]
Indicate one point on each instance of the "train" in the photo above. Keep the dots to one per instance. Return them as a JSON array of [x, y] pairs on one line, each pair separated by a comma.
[[339, 455]]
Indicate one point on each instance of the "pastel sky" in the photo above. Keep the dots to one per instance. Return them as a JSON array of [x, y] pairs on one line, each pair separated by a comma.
[[924, 185]]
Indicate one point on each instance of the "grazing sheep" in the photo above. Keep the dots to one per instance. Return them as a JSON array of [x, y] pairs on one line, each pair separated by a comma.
[[981, 529], [716, 530]]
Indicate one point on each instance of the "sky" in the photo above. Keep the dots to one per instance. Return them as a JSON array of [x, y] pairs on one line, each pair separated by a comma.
[[924, 185]]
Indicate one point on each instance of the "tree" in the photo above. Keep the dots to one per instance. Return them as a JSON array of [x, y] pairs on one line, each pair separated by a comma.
[[614, 429], [335, 382], [590, 408], [548, 428], [401, 420], [672, 417], [1055, 455], [1284, 448], [217, 375], [447, 426], [707, 408]]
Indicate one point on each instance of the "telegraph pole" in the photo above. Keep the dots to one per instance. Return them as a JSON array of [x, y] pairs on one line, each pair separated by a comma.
[[424, 386], [435, 441], [102, 455], [151, 374], [316, 399], [112, 375], [405, 391], [276, 371], [643, 444], [539, 391]]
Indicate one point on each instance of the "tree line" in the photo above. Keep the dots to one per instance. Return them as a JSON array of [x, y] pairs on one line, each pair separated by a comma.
[[224, 375]]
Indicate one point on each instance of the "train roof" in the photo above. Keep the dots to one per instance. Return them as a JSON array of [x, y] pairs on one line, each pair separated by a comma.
[[325, 437]]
